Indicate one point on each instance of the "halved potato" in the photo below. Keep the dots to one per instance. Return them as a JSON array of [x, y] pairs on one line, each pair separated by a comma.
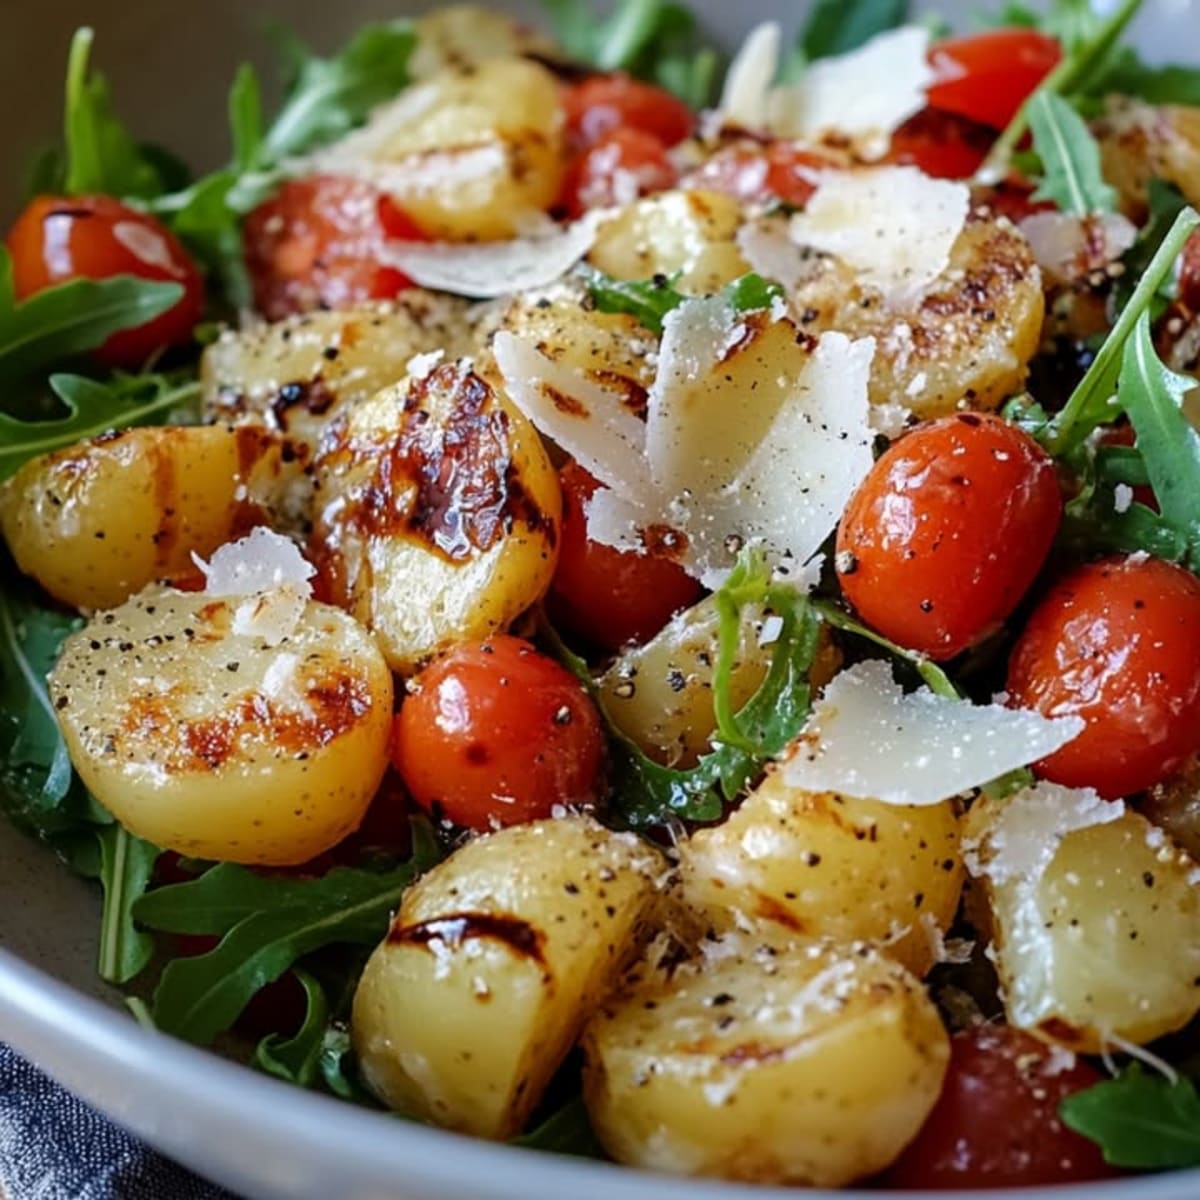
[[220, 744], [471, 154], [96, 522], [463, 35], [828, 866], [1140, 142], [794, 1064], [438, 514], [493, 963]]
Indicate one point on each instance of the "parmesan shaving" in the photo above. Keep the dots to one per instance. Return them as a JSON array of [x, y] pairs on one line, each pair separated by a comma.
[[867, 738], [894, 225], [749, 78]]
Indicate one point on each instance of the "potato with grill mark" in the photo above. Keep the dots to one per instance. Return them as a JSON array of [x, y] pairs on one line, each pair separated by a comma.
[[296, 375], [98, 521], [1140, 142], [223, 744], [438, 514], [779, 1063], [464, 35], [491, 966], [470, 154], [828, 866]]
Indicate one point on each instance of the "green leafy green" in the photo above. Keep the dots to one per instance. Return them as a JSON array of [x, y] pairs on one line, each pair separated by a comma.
[[1072, 22], [565, 1131], [1140, 1121], [1166, 203], [1070, 158], [297, 1059], [1130, 76], [838, 26], [126, 866]]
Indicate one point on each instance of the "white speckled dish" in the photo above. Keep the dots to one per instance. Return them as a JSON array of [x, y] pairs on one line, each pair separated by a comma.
[[171, 65]]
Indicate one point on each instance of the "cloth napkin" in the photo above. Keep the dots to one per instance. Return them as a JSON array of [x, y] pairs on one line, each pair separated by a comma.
[[54, 1147]]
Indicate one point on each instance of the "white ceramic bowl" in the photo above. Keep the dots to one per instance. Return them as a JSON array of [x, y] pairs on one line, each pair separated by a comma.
[[171, 64]]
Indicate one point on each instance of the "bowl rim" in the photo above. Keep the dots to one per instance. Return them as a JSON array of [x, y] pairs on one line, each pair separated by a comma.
[[83, 1042]]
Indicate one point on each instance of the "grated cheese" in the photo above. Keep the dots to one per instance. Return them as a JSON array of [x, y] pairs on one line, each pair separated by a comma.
[[749, 78], [866, 737]]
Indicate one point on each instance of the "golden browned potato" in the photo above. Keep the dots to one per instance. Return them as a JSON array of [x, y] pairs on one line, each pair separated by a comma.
[[222, 744], [296, 375], [96, 522], [471, 154], [493, 963], [791, 1064], [1097, 925], [438, 514], [1174, 806], [690, 234], [1140, 142], [463, 35], [828, 866]]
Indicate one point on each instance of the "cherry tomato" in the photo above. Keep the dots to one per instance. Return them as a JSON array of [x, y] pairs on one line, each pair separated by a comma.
[[96, 237], [988, 76], [778, 171], [599, 105], [1117, 643], [996, 1122], [620, 167], [1012, 198], [317, 243], [941, 144], [495, 733], [607, 596], [948, 531], [1189, 274]]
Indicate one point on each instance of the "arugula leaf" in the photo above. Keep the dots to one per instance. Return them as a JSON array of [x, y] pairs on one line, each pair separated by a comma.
[[566, 1131], [1090, 405], [1172, 84], [297, 1059], [126, 866], [1139, 1121], [336, 1064], [1070, 158], [1170, 447], [101, 154], [1072, 22], [1166, 203], [838, 26], [93, 408]]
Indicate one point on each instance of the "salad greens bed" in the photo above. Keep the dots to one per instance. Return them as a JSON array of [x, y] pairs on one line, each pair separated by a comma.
[[317, 930]]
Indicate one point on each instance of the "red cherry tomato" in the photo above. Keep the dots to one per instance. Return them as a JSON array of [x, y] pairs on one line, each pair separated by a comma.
[[604, 103], [620, 167], [317, 243], [986, 77], [940, 144], [495, 733], [777, 171], [948, 531], [996, 1122], [1117, 643], [607, 596], [57, 239]]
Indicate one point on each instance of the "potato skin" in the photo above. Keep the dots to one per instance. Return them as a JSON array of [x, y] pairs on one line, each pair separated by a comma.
[[217, 745], [98, 521], [1105, 941], [438, 514], [791, 1064], [1140, 142], [491, 966], [828, 866]]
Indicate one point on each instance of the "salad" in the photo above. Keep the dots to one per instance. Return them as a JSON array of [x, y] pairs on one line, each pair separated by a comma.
[[640, 607]]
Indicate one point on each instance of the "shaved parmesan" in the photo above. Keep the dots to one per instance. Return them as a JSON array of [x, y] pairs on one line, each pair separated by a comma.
[[749, 78], [894, 225], [868, 738], [1068, 247], [769, 250], [489, 269], [865, 95]]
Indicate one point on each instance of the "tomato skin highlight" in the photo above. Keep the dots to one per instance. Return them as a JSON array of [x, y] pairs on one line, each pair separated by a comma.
[[780, 170], [996, 1122], [1116, 642], [603, 103], [986, 77], [317, 243], [605, 596], [496, 734], [59, 238], [940, 144], [948, 531], [618, 168]]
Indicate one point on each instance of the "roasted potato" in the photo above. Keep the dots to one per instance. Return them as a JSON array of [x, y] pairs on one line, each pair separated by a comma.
[[437, 514], [1096, 925], [493, 963], [96, 522], [221, 744], [1140, 142], [471, 154], [795, 1064], [297, 375], [464, 35], [689, 235], [828, 866], [1174, 806]]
